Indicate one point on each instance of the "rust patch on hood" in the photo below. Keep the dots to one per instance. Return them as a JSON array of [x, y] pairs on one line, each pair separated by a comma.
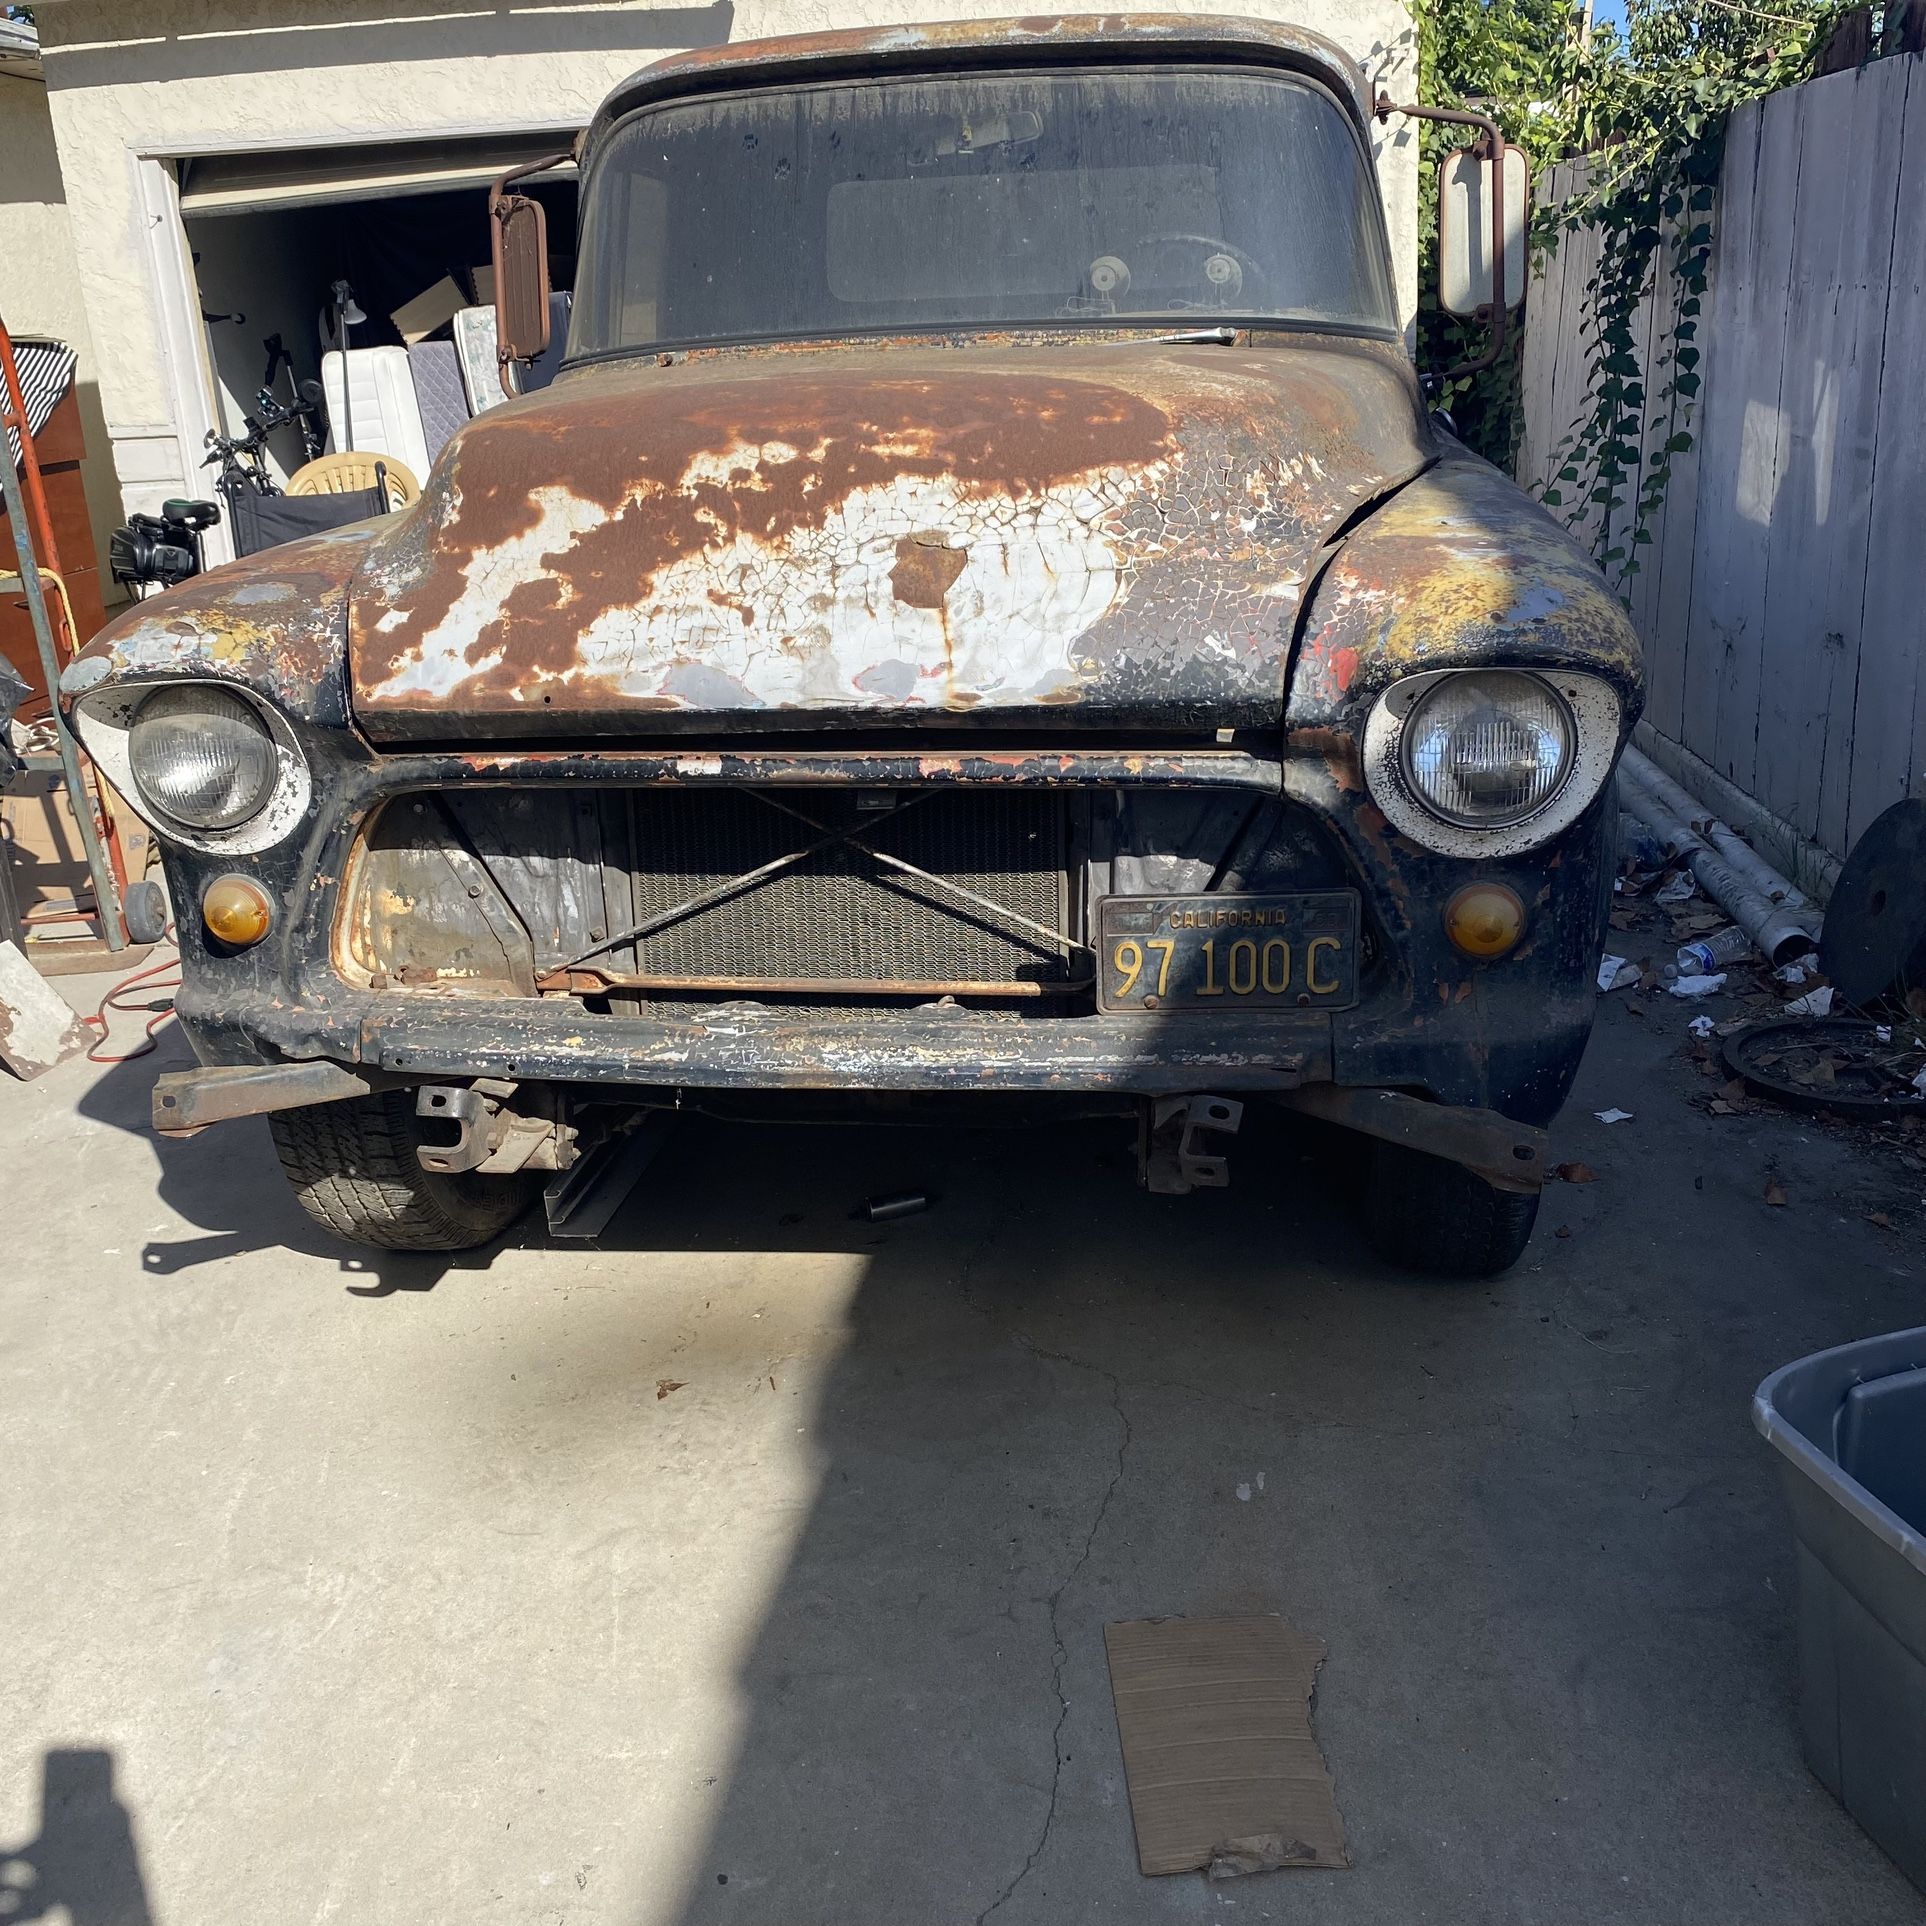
[[276, 621], [1110, 528], [926, 568], [1461, 570]]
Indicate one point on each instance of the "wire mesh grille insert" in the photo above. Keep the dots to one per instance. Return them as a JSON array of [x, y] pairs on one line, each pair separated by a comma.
[[841, 914]]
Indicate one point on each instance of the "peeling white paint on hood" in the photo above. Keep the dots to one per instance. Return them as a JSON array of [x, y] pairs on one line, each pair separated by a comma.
[[815, 618]]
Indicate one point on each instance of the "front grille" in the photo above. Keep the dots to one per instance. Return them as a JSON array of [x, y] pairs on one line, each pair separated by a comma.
[[719, 890], [843, 915]]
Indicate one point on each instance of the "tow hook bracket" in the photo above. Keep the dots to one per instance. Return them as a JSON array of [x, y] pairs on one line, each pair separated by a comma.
[[473, 1116], [1171, 1158]]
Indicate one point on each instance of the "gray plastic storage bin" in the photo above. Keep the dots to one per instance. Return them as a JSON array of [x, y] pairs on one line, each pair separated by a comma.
[[1850, 1428]]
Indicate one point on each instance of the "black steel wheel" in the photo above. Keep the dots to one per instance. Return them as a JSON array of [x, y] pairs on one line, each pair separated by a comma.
[[1437, 1217], [354, 1168]]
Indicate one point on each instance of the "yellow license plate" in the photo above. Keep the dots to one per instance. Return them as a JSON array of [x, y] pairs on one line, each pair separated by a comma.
[[1295, 952]]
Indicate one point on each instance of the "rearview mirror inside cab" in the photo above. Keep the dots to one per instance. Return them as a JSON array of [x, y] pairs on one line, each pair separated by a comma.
[[1464, 229], [521, 278]]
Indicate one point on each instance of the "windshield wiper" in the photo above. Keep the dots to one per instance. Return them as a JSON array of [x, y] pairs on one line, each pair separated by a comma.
[[1219, 337]]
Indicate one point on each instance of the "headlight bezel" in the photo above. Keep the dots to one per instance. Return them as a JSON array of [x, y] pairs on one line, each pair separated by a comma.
[[104, 719], [1595, 713]]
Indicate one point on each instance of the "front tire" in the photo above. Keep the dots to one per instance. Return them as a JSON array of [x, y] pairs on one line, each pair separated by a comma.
[[1430, 1215], [354, 1169]]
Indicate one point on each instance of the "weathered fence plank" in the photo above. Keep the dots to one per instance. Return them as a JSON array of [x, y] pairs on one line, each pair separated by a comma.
[[1751, 453], [1829, 408], [1888, 759]]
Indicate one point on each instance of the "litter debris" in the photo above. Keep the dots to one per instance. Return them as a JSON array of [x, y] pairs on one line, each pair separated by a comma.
[[1702, 1027], [1243, 1494], [1637, 845], [1775, 1193], [1575, 1173], [880, 1210], [1564, 1230], [1678, 888], [1613, 1116], [1703, 957], [1799, 970], [1615, 973], [1695, 921], [1696, 985], [663, 1386], [1221, 1762], [1815, 1003], [1879, 1218]]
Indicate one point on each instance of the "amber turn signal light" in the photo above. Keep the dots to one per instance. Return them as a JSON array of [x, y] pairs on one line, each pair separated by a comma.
[[1485, 919], [237, 910]]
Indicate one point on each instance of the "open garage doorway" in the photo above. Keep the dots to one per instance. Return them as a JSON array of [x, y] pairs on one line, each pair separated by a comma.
[[276, 238]]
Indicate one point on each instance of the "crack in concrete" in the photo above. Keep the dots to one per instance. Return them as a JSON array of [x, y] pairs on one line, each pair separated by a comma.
[[1059, 1655]]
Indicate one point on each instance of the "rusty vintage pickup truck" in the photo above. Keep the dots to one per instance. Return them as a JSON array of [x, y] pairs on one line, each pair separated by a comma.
[[983, 613]]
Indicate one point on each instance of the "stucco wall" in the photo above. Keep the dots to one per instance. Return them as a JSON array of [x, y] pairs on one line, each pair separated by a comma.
[[173, 76], [40, 286]]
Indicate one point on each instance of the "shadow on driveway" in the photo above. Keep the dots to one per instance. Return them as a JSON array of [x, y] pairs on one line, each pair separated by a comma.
[[84, 1864]]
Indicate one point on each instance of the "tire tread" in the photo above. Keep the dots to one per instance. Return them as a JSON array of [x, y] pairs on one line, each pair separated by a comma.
[[354, 1171], [1431, 1215]]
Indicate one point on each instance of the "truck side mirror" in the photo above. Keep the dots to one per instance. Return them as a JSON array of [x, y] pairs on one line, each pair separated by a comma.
[[520, 228], [1467, 278]]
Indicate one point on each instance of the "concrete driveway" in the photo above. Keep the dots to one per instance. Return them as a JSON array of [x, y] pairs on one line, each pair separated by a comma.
[[391, 1592]]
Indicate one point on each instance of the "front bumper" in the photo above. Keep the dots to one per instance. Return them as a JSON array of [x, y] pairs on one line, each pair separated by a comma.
[[741, 1047], [1507, 1154]]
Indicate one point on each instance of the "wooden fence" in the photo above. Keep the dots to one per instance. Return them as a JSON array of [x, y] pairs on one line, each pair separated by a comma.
[[1782, 597]]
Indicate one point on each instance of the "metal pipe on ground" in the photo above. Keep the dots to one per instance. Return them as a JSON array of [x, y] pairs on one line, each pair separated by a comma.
[[1790, 851], [1720, 834], [1781, 932]]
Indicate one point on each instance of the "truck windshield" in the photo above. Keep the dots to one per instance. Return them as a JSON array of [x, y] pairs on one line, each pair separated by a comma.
[[1184, 195]]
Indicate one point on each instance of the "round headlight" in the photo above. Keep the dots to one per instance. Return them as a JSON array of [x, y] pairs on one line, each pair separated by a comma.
[[1487, 748], [202, 757]]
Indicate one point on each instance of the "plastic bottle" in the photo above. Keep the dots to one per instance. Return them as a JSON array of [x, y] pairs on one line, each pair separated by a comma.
[[1711, 954]]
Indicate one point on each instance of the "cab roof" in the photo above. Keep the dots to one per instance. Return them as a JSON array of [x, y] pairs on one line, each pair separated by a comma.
[[865, 52]]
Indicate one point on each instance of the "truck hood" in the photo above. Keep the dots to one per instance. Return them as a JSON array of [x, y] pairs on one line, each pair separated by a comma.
[[1099, 536]]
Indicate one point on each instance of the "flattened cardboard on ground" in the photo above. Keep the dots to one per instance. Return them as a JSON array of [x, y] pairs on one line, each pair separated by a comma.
[[1223, 1768], [38, 1028]]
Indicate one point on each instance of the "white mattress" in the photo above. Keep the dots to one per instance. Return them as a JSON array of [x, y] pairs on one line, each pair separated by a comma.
[[379, 406]]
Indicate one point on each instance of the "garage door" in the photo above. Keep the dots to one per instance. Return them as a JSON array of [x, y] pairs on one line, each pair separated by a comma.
[[313, 176]]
